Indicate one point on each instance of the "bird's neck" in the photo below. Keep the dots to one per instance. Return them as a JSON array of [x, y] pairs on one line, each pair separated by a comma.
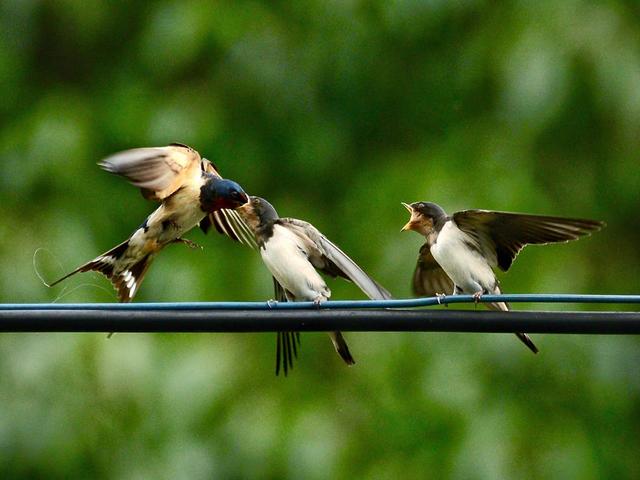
[[432, 238], [438, 223], [264, 232]]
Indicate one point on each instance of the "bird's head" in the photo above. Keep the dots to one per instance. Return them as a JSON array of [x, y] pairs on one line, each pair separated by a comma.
[[221, 193], [257, 213], [424, 217]]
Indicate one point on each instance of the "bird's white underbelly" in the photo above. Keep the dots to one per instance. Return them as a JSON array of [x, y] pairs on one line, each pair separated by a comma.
[[465, 266], [286, 261]]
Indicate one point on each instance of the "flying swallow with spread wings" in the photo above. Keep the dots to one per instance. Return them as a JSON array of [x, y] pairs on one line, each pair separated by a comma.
[[188, 187], [462, 249], [294, 251]]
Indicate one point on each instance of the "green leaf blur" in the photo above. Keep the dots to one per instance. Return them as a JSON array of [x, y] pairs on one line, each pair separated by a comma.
[[335, 111]]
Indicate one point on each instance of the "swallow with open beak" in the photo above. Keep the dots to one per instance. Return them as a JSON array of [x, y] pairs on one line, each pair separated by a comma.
[[461, 250], [294, 251], [188, 188]]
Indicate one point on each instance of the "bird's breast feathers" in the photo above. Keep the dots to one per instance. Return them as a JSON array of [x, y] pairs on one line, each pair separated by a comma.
[[177, 215], [286, 259], [462, 263]]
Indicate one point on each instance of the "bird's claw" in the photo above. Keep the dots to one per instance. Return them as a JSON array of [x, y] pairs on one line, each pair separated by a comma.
[[476, 298], [189, 243], [271, 303], [317, 302], [440, 297]]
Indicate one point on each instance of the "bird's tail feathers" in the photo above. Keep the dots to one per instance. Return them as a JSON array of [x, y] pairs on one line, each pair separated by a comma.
[[286, 350], [341, 347], [524, 338], [505, 307], [103, 263], [499, 306], [126, 282]]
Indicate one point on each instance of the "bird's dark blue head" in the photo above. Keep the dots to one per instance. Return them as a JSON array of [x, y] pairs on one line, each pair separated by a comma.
[[429, 209], [425, 216], [258, 213], [218, 193]]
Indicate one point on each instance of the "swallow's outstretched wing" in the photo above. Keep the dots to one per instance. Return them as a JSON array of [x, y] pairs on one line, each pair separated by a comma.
[[500, 236], [158, 171]]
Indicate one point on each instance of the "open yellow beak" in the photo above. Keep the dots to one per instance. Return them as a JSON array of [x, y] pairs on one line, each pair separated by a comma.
[[410, 224]]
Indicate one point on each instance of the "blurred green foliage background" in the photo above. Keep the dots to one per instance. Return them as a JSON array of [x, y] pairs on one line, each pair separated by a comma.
[[336, 111]]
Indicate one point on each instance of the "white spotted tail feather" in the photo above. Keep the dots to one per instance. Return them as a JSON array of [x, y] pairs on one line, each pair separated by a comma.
[[126, 279]]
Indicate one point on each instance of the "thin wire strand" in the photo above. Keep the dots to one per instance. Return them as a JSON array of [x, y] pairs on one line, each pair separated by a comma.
[[334, 304]]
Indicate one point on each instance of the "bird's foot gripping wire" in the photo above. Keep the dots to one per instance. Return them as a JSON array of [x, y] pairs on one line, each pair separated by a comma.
[[476, 297], [188, 243], [271, 303], [440, 299], [317, 301]]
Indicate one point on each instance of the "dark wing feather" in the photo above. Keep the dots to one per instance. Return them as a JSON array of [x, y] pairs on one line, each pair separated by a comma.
[[501, 235], [157, 171], [287, 342], [230, 223], [429, 278], [205, 164], [327, 257], [279, 293]]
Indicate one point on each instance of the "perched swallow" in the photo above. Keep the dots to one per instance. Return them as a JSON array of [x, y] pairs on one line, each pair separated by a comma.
[[188, 188], [462, 249], [294, 251]]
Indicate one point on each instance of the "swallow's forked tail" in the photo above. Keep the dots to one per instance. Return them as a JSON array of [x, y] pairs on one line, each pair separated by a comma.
[[524, 338], [341, 347], [505, 307], [286, 350], [126, 282]]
